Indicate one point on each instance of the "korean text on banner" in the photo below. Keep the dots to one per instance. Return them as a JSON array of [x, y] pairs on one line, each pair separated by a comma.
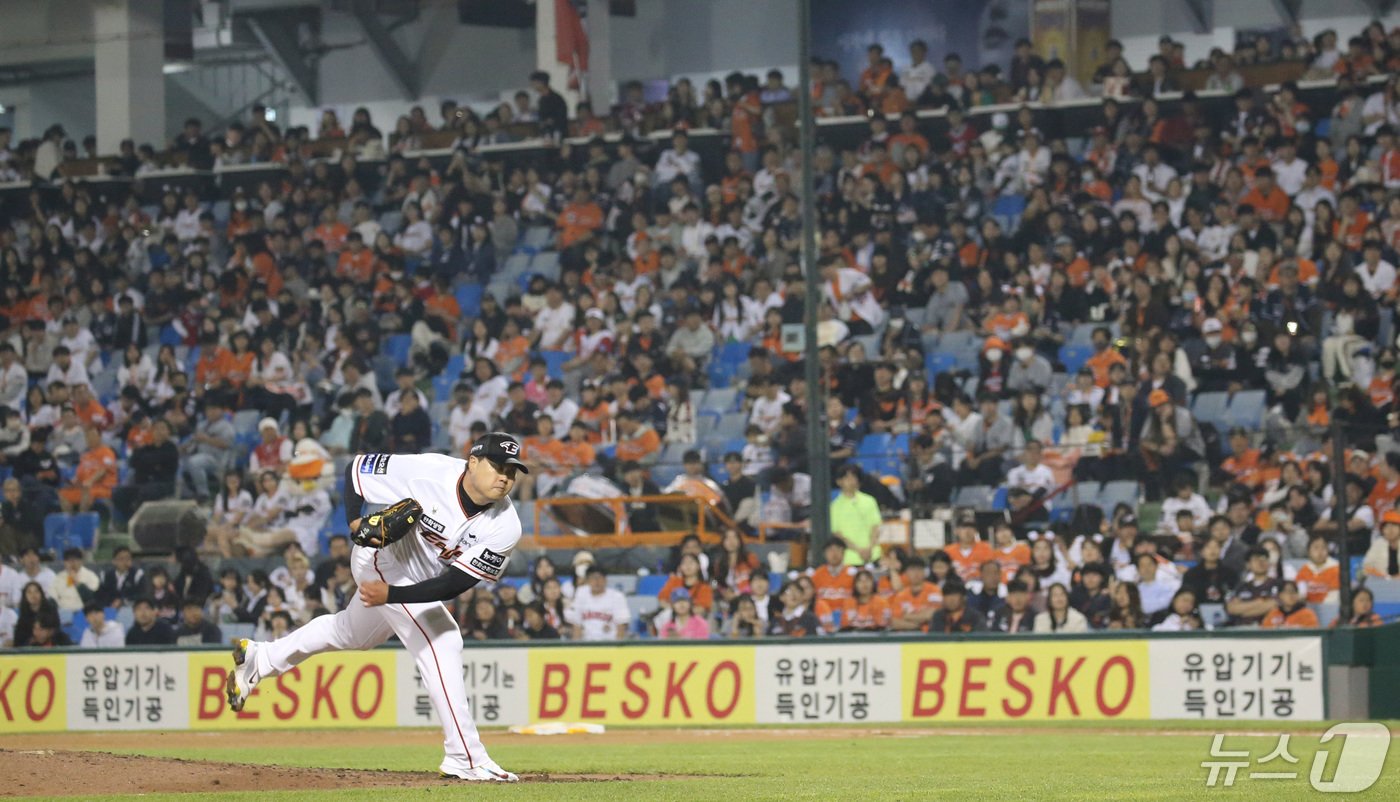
[[496, 688], [1244, 678], [643, 685], [330, 690], [1033, 680], [128, 691], [827, 683]]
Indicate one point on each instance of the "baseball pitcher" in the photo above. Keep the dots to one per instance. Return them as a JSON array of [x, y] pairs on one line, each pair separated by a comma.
[[450, 526]]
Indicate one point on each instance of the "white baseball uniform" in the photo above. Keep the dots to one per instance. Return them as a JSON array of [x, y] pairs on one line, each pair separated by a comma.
[[480, 545]]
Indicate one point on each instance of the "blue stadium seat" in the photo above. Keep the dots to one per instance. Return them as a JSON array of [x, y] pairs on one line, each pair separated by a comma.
[[999, 499], [169, 336], [455, 365], [76, 626], [937, 362], [442, 386], [1245, 409], [651, 584], [731, 426], [664, 473], [720, 399], [384, 369], [1008, 210], [1111, 494], [546, 263], [876, 445], [469, 299], [82, 530], [554, 362], [397, 346], [733, 353], [1075, 356], [720, 373], [516, 264], [537, 237], [56, 532], [1210, 408]]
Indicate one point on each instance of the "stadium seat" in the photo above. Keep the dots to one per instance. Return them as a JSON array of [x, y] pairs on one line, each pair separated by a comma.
[[625, 584], [1245, 409], [442, 386], [1111, 494], [1075, 356], [876, 445], [1210, 408], [384, 369], [397, 347], [1008, 210], [82, 530], [731, 426], [554, 362], [391, 221], [651, 584], [999, 499], [515, 265], [245, 421], [469, 299], [664, 473], [546, 264], [978, 497], [536, 238], [56, 532], [721, 400], [936, 363]]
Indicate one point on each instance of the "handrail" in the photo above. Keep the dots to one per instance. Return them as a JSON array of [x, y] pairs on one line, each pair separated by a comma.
[[621, 533]]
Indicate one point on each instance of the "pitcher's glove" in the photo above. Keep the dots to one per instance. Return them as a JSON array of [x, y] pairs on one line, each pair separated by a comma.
[[389, 525]]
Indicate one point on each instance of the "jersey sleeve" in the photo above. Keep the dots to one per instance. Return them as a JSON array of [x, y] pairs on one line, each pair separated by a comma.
[[486, 559], [384, 479]]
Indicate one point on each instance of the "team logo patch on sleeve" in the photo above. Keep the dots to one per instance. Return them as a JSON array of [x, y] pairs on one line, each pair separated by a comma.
[[375, 463], [489, 562]]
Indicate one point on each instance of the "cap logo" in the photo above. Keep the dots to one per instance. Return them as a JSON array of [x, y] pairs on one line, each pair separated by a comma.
[[510, 447]]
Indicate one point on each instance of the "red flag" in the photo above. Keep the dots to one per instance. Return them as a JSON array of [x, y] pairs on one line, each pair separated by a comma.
[[571, 41]]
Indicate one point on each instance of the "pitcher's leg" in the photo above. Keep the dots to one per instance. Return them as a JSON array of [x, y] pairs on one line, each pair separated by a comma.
[[432, 637], [355, 627]]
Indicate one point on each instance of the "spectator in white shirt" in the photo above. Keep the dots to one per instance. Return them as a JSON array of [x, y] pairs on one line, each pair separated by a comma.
[[677, 161], [416, 237], [101, 633], [79, 342], [1185, 499], [187, 226], [919, 74], [1031, 474], [69, 371], [767, 411], [14, 380], [602, 613], [1289, 170], [1156, 587], [1377, 275], [554, 323], [559, 407]]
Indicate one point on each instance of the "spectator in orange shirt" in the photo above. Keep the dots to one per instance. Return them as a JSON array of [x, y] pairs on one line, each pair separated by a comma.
[[1243, 459], [1104, 357], [356, 262], [96, 475], [235, 364], [577, 452], [1292, 611], [833, 578], [636, 440], [691, 576], [876, 73], [865, 610], [970, 551], [908, 137], [1320, 576], [579, 220], [88, 409], [1383, 495], [331, 232], [1269, 201], [913, 607], [548, 458]]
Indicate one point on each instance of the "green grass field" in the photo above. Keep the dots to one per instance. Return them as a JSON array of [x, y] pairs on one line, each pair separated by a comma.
[[1145, 762]]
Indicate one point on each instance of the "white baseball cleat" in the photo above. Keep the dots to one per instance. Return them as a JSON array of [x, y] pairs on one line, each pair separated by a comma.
[[484, 771], [240, 683]]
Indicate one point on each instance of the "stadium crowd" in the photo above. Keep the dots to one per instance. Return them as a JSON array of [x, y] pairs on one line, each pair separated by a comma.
[[229, 348]]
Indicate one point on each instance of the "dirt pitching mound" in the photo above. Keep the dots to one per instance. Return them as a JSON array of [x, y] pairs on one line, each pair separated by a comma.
[[44, 772]]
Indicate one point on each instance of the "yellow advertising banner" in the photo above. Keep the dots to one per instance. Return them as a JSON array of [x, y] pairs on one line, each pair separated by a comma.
[[332, 690], [33, 693], [1034, 680], [671, 685]]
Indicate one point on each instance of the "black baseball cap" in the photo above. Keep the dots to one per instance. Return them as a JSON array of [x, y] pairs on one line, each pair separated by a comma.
[[499, 447]]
